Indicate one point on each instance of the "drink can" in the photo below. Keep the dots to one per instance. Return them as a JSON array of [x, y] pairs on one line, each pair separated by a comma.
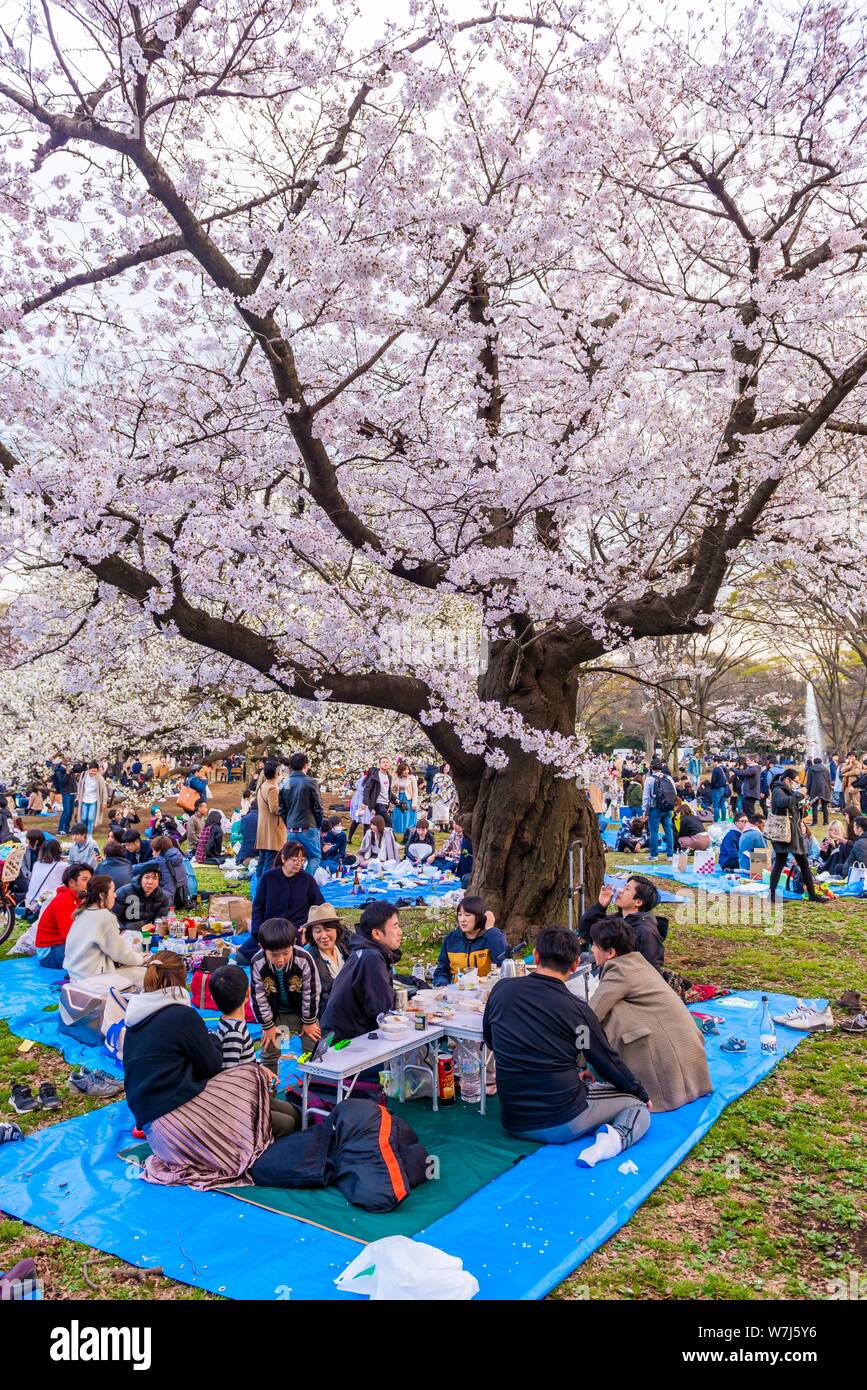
[[401, 997], [420, 1023]]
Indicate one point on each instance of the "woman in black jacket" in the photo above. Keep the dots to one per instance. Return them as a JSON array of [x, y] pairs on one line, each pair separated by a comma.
[[787, 798]]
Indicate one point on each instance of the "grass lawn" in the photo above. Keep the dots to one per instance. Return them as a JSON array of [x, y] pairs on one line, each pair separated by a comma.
[[770, 1204]]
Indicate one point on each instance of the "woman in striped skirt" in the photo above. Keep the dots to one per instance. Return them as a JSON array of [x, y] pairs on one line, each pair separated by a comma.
[[205, 1126]]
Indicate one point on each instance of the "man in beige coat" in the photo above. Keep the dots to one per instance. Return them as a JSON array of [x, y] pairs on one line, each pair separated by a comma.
[[644, 1020]]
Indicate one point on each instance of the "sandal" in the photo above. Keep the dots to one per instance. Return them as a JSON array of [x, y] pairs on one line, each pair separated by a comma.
[[733, 1044]]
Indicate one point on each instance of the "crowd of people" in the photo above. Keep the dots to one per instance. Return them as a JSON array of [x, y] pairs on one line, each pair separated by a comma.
[[772, 807], [564, 1067], [204, 1100]]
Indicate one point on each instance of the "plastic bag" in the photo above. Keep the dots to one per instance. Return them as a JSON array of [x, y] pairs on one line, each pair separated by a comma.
[[26, 943], [399, 1268]]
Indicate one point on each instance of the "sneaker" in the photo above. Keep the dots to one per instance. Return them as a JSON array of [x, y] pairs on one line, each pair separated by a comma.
[[805, 1018], [96, 1084], [48, 1097], [858, 1024], [9, 1132], [22, 1100]]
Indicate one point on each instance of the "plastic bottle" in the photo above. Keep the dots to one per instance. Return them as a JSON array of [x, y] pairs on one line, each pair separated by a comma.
[[471, 1090], [767, 1031]]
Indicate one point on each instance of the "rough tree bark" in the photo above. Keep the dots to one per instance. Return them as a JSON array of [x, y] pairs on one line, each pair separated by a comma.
[[522, 818]]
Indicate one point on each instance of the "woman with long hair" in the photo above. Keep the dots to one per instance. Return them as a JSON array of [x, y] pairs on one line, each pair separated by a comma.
[[45, 878], [404, 789], [209, 847], [443, 798], [378, 843], [95, 944]]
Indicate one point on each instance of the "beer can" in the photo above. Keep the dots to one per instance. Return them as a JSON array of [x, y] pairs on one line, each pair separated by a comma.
[[401, 997]]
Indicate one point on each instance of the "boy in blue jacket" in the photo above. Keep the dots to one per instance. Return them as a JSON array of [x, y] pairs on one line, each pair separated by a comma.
[[474, 944]]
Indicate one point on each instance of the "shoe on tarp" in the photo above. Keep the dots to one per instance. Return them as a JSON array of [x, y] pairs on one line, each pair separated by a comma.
[[9, 1132]]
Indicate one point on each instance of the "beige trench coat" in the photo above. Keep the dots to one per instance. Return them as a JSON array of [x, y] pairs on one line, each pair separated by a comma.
[[270, 830], [652, 1030]]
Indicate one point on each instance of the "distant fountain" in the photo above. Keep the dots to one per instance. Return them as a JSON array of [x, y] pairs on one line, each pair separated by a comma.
[[812, 727]]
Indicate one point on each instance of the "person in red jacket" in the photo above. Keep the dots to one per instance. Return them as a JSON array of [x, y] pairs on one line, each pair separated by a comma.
[[55, 921]]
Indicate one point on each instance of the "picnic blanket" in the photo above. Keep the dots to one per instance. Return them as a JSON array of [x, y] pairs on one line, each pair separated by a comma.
[[28, 1003], [469, 1149], [720, 883], [520, 1234]]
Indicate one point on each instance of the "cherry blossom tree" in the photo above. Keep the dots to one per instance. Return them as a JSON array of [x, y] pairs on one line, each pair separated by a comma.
[[522, 321]]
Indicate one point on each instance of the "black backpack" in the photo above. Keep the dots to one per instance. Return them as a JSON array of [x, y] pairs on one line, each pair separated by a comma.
[[663, 796]]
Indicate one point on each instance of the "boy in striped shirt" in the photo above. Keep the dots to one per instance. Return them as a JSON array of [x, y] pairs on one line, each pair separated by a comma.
[[230, 991]]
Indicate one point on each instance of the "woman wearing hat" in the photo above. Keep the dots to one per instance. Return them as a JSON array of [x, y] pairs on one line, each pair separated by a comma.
[[327, 941], [787, 799]]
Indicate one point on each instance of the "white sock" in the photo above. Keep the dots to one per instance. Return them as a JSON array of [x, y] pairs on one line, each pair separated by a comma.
[[607, 1144]]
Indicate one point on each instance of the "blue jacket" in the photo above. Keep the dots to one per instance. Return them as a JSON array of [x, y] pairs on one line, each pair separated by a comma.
[[750, 839], [719, 777], [459, 952], [247, 843], [728, 851], [362, 990], [198, 784]]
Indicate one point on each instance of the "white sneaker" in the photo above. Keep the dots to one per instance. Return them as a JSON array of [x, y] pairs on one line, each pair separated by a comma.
[[805, 1018], [607, 1144]]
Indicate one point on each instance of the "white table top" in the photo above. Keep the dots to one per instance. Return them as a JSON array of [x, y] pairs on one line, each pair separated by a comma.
[[367, 1052]]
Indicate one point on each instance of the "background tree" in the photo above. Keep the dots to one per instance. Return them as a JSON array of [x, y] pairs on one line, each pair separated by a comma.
[[542, 313]]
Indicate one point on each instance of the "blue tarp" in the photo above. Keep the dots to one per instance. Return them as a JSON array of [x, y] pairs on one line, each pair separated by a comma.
[[340, 894], [720, 883], [27, 990], [520, 1235]]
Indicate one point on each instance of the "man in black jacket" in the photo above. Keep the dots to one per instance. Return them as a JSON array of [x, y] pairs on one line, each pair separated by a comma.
[[819, 791], [141, 902], [634, 901], [364, 988], [67, 785], [545, 1040], [376, 791], [300, 806]]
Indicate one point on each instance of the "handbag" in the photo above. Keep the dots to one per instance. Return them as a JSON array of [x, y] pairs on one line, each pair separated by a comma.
[[200, 992], [778, 827], [187, 798]]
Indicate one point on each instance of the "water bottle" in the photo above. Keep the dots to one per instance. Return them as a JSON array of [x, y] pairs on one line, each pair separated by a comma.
[[471, 1086], [767, 1031]]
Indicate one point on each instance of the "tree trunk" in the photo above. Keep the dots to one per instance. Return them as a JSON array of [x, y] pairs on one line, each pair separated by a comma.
[[523, 818]]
